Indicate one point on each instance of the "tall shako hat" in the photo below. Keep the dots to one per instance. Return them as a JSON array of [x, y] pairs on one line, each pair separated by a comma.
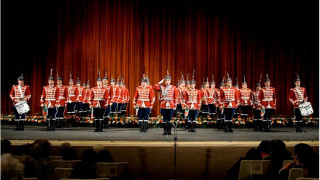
[[244, 80], [99, 78], [58, 78], [144, 78], [168, 76], [78, 81], [106, 75], [20, 78], [212, 82], [51, 76], [258, 84], [228, 78], [297, 78], [267, 78], [193, 81], [188, 82], [207, 82], [70, 79], [182, 79]]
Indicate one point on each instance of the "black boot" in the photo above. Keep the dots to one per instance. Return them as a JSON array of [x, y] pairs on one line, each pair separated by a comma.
[[297, 127], [193, 127], [164, 128], [52, 125], [230, 127], [101, 125], [269, 126], [49, 124], [190, 126], [300, 125], [226, 127], [169, 128], [21, 125], [17, 125], [145, 128], [141, 123], [97, 126]]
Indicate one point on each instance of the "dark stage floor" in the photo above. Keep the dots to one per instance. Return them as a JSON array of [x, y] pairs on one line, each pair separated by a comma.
[[155, 134]]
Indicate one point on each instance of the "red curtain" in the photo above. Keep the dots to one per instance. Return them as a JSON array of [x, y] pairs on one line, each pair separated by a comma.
[[129, 37]]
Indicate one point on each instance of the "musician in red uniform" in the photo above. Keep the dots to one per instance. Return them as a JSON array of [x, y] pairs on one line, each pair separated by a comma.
[[113, 93], [61, 102], [143, 101], [181, 93], [219, 112], [86, 99], [168, 102], [121, 97], [237, 112], [297, 96], [193, 104], [79, 99], [212, 98], [229, 101], [108, 108], [245, 100], [18, 93], [49, 97], [267, 98], [99, 98], [126, 99], [72, 97], [204, 94], [256, 108]]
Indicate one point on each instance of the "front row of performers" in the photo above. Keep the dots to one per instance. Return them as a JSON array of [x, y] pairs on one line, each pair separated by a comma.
[[184, 99]]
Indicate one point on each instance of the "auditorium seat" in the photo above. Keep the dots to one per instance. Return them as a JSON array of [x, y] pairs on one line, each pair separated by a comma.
[[286, 162], [62, 173], [250, 169], [65, 163], [295, 173], [55, 158], [112, 170]]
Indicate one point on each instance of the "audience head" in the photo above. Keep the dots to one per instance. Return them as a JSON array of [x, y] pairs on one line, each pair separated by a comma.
[[89, 156], [5, 146], [104, 156], [68, 153], [41, 148], [98, 147], [11, 168]]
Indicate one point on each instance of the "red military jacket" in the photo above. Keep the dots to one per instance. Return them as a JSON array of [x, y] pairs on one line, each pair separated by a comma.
[[168, 96], [218, 96], [267, 97], [120, 95], [229, 97], [181, 93], [72, 93], [126, 95], [143, 97], [192, 99], [114, 93], [49, 97], [99, 97], [87, 96], [297, 95], [212, 96], [204, 96], [245, 97], [15, 93], [81, 94], [255, 99], [62, 96], [108, 87]]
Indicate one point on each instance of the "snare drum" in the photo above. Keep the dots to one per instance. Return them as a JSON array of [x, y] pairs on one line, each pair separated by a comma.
[[306, 109], [22, 107]]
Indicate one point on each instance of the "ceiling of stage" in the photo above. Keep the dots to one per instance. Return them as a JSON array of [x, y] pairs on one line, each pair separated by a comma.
[[130, 37]]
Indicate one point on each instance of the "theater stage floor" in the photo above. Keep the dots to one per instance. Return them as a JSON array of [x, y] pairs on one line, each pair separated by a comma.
[[155, 134]]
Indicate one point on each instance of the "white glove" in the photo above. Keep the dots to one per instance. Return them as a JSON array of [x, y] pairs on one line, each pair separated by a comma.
[[160, 82]]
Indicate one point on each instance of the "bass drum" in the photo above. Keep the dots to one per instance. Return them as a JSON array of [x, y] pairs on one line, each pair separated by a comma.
[[306, 109]]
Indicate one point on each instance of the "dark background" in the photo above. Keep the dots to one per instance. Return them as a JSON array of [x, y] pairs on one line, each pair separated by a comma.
[[130, 37]]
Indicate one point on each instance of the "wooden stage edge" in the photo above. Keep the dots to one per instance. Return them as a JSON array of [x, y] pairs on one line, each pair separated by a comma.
[[164, 143]]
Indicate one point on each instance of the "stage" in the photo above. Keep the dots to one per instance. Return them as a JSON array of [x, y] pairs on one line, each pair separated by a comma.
[[155, 134]]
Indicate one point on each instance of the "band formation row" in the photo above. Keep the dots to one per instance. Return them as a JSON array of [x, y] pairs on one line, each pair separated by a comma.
[[104, 100]]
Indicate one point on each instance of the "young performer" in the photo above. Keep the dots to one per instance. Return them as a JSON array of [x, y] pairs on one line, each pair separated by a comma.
[[267, 98], [245, 100], [18, 93], [168, 102], [297, 96], [49, 97], [143, 101], [61, 103]]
